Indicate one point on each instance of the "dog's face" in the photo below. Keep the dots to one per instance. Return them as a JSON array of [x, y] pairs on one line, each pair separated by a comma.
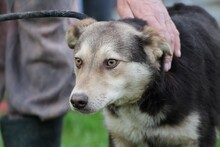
[[114, 63]]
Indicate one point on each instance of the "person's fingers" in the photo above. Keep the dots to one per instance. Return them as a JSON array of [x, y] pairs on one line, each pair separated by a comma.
[[152, 21], [124, 9], [144, 11], [172, 36], [157, 16], [175, 45], [169, 34], [167, 62], [155, 13], [177, 51], [170, 39]]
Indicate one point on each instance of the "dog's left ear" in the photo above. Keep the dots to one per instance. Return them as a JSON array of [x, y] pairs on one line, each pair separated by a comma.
[[75, 30], [154, 44]]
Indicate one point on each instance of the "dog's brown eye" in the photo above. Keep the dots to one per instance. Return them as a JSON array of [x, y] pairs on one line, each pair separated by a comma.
[[111, 63], [78, 62]]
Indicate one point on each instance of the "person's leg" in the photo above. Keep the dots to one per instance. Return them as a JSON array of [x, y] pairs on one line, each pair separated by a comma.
[[99, 9], [31, 132], [39, 63], [39, 77], [3, 36]]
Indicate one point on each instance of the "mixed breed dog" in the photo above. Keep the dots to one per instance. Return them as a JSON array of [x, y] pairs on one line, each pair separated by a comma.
[[119, 69]]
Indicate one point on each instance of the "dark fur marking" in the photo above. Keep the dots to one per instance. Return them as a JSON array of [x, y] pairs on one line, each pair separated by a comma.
[[135, 47], [77, 32], [136, 23], [113, 110], [110, 141], [193, 82]]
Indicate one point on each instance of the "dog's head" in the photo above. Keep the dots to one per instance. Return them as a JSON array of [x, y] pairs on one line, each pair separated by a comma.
[[114, 62]]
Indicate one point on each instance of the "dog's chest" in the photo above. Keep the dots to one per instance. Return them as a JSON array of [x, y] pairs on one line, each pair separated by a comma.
[[140, 128], [131, 123]]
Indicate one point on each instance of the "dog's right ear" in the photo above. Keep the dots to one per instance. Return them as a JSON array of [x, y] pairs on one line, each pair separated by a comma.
[[156, 46], [75, 30]]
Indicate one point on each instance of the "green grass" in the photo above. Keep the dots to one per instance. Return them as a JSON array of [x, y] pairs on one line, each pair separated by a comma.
[[84, 131]]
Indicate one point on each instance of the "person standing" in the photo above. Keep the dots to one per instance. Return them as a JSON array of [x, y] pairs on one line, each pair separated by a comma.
[[38, 76]]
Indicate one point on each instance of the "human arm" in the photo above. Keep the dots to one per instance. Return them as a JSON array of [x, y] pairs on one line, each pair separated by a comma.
[[156, 14]]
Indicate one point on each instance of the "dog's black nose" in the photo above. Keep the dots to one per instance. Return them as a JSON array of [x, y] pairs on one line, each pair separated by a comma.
[[79, 101]]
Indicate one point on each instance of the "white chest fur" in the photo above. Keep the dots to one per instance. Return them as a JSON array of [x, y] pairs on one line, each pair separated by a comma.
[[137, 127]]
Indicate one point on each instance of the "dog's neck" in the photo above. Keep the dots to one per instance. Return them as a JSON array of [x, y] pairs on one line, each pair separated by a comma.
[[150, 102]]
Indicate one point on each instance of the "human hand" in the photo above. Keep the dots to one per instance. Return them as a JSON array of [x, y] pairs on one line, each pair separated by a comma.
[[155, 13]]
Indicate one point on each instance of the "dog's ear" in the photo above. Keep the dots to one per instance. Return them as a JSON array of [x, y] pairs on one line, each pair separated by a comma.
[[154, 45], [74, 31]]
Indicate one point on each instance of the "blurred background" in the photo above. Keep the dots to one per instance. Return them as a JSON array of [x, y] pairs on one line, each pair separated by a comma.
[[88, 130]]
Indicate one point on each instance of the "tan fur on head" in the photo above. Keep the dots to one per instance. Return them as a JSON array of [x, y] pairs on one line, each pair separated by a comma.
[[156, 45], [75, 30], [99, 42]]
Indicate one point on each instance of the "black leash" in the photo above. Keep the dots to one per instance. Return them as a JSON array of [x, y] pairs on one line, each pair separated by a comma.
[[42, 14]]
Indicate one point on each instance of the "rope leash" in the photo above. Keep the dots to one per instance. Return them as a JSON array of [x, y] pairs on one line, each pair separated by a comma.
[[42, 14]]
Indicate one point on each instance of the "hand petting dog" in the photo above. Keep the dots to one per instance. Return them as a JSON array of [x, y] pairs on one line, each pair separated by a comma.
[[155, 13]]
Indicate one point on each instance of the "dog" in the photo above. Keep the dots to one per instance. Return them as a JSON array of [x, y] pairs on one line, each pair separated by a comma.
[[119, 69]]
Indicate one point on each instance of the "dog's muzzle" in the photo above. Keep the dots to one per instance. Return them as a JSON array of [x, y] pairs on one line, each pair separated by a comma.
[[79, 101]]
